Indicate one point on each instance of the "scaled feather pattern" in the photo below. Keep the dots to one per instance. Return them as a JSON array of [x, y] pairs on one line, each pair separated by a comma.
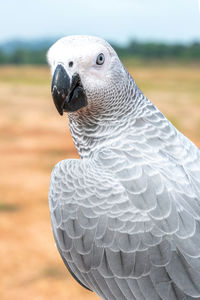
[[126, 215]]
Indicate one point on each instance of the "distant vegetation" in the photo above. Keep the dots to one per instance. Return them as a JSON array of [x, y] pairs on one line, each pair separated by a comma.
[[35, 52], [152, 50], [23, 56]]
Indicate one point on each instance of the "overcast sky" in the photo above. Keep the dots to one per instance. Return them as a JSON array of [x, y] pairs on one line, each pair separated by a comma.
[[115, 20]]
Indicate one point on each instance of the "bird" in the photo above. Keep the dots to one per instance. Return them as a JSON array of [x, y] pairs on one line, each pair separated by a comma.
[[125, 215]]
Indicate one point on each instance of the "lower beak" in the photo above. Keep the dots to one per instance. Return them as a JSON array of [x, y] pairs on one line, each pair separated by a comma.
[[68, 94]]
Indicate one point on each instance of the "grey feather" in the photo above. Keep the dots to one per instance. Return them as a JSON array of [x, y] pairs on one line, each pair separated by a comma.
[[126, 216]]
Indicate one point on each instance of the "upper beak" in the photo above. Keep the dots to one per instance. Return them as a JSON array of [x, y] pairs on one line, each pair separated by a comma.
[[60, 87], [68, 94]]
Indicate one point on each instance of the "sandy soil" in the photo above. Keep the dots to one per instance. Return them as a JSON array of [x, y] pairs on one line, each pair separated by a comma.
[[33, 139]]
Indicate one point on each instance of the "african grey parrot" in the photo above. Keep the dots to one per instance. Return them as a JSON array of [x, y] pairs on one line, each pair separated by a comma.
[[126, 216]]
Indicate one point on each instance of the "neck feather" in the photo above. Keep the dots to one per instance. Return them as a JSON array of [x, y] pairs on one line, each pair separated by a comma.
[[92, 131]]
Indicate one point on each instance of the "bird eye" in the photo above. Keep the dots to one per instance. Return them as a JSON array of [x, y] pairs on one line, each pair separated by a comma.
[[100, 59]]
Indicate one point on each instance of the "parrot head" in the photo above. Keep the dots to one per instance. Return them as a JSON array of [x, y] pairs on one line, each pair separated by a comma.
[[86, 74]]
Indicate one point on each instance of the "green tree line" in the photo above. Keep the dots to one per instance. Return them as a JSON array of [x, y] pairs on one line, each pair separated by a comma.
[[145, 50], [23, 56], [152, 50]]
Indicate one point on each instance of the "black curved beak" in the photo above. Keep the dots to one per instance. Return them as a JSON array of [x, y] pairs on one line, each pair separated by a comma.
[[68, 95]]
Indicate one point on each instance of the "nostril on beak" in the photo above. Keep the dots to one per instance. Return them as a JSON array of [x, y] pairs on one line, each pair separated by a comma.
[[71, 64]]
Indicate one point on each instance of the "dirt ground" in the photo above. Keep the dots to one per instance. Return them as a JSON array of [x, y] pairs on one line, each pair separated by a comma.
[[33, 139]]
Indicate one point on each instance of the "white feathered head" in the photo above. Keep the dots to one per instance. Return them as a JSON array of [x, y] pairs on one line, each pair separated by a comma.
[[87, 74]]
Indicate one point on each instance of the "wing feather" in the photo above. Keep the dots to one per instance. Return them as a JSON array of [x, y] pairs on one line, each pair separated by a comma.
[[131, 233]]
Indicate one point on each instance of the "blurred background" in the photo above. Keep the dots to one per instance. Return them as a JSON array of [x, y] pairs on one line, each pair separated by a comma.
[[159, 43]]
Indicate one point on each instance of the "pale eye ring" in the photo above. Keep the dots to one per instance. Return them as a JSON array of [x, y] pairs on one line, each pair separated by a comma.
[[100, 59]]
